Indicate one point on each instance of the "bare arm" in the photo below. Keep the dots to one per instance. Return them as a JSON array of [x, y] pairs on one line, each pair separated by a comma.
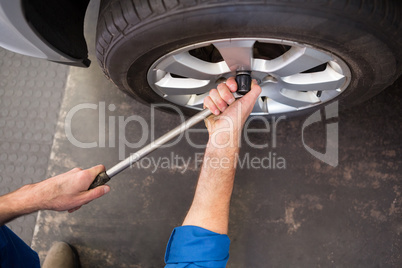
[[210, 207], [68, 191]]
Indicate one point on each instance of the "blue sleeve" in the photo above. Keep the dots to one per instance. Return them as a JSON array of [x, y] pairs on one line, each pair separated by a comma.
[[192, 246], [14, 252]]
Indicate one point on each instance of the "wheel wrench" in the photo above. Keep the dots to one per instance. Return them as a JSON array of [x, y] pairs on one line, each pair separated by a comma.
[[243, 80]]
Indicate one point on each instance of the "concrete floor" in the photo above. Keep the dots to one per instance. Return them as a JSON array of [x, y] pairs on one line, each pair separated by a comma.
[[306, 215], [309, 214]]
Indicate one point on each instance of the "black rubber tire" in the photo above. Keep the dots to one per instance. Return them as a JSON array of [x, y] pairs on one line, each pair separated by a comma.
[[132, 34]]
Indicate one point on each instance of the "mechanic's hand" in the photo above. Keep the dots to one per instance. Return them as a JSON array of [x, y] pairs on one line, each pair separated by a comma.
[[226, 123], [69, 191]]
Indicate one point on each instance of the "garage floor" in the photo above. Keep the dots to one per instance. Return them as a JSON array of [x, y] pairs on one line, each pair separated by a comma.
[[31, 92], [308, 214]]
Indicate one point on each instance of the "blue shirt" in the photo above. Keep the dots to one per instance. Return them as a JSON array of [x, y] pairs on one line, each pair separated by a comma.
[[193, 247], [188, 246], [14, 252]]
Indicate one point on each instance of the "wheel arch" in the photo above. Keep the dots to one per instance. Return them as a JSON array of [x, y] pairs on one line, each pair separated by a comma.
[[49, 20]]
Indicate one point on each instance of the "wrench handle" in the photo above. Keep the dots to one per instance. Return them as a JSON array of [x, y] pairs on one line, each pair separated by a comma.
[[243, 80], [101, 179]]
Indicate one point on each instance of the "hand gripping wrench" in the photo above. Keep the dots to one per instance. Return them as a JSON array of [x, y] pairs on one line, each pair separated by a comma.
[[243, 80]]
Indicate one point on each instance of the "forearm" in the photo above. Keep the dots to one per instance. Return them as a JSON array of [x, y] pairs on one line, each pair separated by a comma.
[[67, 191], [210, 207], [23, 201]]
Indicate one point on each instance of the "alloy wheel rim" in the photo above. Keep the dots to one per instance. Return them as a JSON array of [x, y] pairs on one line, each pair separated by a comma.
[[293, 76]]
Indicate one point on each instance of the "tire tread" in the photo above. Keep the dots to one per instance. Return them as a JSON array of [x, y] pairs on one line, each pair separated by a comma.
[[116, 15]]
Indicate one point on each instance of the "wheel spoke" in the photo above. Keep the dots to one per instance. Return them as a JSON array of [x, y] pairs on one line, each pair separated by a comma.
[[277, 107], [183, 86], [291, 98], [180, 99], [238, 54], [320, 81], [295, 60], [186, 65], [197, 100]]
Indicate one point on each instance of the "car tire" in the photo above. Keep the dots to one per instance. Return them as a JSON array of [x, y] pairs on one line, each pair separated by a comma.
[[365, 35]]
